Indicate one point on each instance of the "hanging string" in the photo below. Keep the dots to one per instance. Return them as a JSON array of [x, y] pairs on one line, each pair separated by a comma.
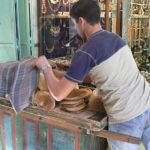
[[43, 29], [44, 10]]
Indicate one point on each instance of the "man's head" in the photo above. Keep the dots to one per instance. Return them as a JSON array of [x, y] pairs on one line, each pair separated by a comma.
[[85, 13]]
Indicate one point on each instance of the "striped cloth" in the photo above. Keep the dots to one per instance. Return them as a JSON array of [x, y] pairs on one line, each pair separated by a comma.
[[18, 80]]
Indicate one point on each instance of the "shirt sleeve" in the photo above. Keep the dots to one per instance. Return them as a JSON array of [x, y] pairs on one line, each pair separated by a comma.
[[81, 64]]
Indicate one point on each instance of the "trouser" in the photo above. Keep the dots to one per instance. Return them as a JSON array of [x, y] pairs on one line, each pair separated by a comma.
[[138, 127]]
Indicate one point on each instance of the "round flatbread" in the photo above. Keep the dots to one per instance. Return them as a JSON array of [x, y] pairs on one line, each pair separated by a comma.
[[44, 100], [77, 94], [76, 109]]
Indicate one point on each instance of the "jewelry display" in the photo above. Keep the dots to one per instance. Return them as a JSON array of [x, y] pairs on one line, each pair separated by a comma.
[[73, 1], [55, 30], [138, 32], [65, 2], [54, 1], [139, 8], [54, 5]]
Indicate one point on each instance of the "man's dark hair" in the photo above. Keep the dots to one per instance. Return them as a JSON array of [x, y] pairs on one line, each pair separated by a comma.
[[88, 9]]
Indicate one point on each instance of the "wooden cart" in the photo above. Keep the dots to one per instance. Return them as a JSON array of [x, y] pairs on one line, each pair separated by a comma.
[[36, 129]]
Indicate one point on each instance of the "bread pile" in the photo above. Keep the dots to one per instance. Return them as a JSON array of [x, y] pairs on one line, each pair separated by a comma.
[[76, 101]]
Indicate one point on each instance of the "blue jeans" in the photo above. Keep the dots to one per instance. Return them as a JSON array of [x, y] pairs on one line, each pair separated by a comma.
[[137, 127]]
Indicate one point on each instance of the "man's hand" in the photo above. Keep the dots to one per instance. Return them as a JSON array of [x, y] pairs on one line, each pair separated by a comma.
[[59, 88], [42, 63]]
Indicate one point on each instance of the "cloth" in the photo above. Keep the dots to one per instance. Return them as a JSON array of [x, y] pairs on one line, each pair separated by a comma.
[[138, 127], [109, 62], [18, 80]]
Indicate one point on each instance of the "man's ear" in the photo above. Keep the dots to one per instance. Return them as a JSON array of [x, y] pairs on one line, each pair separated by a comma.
[[81, 20]]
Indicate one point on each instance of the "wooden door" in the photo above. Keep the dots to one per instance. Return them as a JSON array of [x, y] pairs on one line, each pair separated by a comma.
[[8, 41], [25, 28]]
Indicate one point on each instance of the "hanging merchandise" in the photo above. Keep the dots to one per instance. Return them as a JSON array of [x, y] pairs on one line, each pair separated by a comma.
[[54, 1], [44, 10], [65, 2], [54, 5], [55, 30], [55, 27], [73, 1]]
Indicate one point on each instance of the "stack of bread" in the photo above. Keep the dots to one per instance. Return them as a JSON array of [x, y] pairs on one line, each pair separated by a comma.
[[76, 101]]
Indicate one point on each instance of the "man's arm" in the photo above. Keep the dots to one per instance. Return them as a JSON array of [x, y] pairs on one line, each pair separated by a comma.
[[59, 88], [59, 74]]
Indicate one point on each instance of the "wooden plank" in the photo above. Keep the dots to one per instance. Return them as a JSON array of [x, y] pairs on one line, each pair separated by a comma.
[[14, 139], [107, 15], [82, 119], [1, 132], [8, 132], [63, 140], [89, 142], [72, 123], [38, 146], [43, 135], [50, 137], [117, 136], [31, 135], [24, 28], [24, 134], [7, 31], [77, 141], [19, 131], [118, 22], [0, 139]]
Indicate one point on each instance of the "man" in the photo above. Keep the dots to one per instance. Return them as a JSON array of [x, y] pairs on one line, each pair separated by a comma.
[[111, 66]]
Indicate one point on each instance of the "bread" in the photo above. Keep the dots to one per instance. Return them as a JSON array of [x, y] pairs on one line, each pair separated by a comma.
[[44, 100], [77, 94], [78, 108], [66, 102], [95, 102], [70, 105], [42, 85], [76, 100]]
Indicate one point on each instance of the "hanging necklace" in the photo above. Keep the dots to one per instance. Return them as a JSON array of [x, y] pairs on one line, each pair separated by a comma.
[[73, 1], [54, 5], [54, 1], [44, 7], [65, 2]]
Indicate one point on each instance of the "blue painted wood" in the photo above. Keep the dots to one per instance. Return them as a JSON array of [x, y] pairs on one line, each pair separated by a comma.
[[30, 135], [0, 139], [43, 135], [19, 132], [8, 132], [16, 35], [7, 31], [63, 140], [90, 142], [55, 139], [24, 28]]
